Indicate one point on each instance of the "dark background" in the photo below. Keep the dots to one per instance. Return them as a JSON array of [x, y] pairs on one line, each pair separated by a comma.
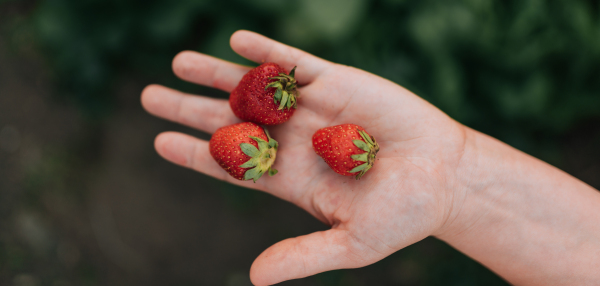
[[85, 200]]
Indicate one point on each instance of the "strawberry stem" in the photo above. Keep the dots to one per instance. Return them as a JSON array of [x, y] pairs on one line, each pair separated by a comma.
[[262, 158], [286, 93], [371, 147]]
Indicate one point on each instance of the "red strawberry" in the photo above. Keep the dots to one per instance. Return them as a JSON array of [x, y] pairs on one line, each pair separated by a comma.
[[245, 150], [346, 148], [266, 95]]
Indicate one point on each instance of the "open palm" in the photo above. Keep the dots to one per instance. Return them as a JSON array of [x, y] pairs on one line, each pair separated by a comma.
[[408, 194]]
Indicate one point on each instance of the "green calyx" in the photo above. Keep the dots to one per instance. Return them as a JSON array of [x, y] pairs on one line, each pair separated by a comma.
[[286, 94], [371, 147], [262, 158]]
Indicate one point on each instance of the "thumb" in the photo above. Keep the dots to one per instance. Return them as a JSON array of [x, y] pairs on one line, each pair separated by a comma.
[[308, 255]]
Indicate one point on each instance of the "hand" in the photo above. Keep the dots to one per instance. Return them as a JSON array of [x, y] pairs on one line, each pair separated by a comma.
[[410, 193]]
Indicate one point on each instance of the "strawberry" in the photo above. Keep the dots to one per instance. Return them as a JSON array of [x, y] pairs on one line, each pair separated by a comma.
[[266, 95], [245, 150], [346, 148]]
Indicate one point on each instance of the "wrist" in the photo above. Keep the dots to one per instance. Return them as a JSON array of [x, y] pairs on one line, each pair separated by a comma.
[[488, 170], [470, 178], [524, 219]]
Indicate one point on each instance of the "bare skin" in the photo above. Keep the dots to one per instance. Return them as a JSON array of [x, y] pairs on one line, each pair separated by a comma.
[[433, 176]]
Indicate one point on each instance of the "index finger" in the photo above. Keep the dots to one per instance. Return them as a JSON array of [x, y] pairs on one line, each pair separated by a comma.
[[260, 49]]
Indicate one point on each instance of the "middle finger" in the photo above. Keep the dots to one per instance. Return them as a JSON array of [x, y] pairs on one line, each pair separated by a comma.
[[208, 71], [200, 112]]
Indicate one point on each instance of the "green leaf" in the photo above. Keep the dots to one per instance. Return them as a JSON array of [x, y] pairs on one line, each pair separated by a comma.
[[253, 174], [366, 136], [249, 150], [359, 168], [371, 139], [294, 101], [272, 172], [274, 84], [262, 144], [360, 157], [257, 139], [362, 173], [362, 145], [250, 163], [273, 143], [277, 95], [284, 100], [259, 175], [293, 72]]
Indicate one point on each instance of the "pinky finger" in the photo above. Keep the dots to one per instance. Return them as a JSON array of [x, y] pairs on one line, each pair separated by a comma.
[[193, 153]]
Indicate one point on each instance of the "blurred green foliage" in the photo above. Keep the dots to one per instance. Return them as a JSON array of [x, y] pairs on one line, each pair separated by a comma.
[[528, 65], [520, 70]]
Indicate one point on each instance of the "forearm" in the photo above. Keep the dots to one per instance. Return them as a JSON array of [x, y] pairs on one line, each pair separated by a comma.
[[528, 221]]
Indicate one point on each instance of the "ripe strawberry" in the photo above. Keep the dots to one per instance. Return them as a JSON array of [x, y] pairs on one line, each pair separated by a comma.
[[245, 150], [266, 95], [346, 148]]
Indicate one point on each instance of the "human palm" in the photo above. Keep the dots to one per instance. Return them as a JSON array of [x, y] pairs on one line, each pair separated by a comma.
[[407, 195]]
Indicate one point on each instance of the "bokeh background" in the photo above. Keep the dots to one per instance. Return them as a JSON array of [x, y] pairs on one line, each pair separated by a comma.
[[85, 200]]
